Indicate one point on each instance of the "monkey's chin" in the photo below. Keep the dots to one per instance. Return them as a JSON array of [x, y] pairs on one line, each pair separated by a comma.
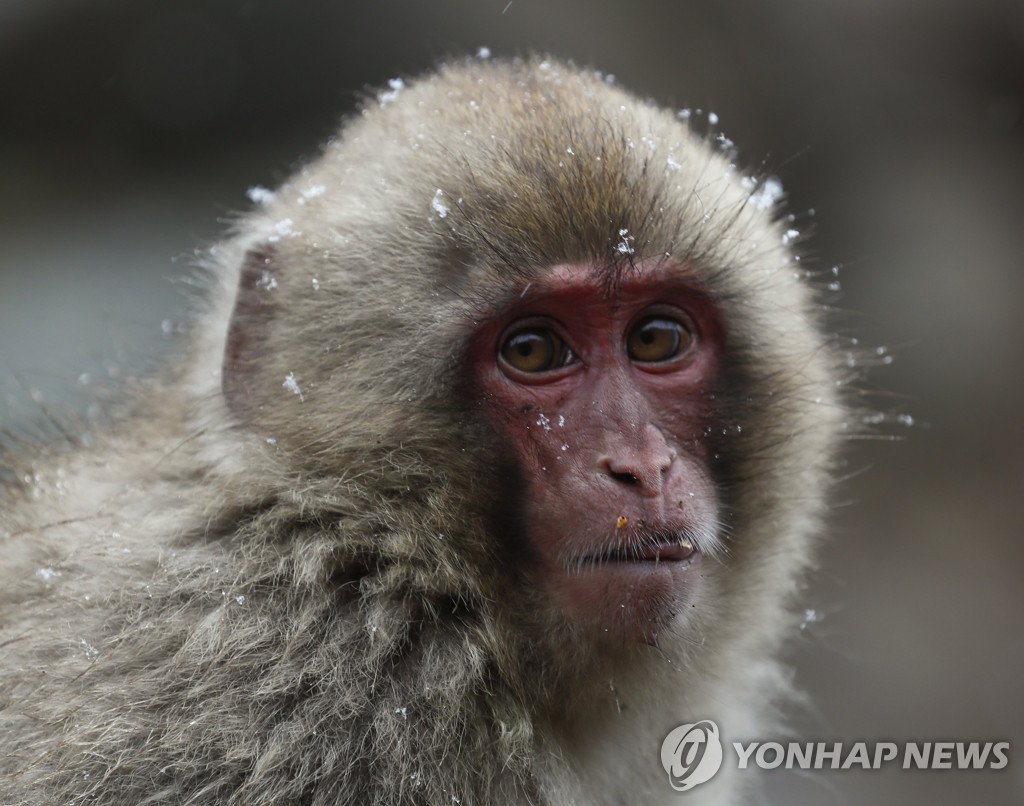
[[631, 600]]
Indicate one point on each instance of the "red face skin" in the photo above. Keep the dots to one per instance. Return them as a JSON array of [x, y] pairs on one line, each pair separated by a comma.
[[611, 447]]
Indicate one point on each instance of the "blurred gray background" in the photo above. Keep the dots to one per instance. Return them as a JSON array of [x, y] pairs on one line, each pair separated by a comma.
[[129, 133]]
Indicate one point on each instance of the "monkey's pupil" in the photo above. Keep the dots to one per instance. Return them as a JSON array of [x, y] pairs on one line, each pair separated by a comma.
[[647, 337], [524, 348]]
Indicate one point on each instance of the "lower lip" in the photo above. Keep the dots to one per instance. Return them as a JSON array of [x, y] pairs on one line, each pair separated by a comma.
[[650, 565], [657, 571]]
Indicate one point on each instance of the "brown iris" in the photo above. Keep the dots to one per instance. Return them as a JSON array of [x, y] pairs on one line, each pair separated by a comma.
[[657, 338], [534, 350]]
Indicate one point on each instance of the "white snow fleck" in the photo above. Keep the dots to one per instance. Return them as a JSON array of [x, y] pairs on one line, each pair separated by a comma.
[[561, 421], [544, 422], [766, 195], [311, 193], [395, 86], [292, 385], [267, 281], [810, 617], [624, 246], [403, 712], [725, 143], [316, 284], [565, 446], [789, 236], [282, 229], [240, 599], [673, 163], [260, 195], [483, 52], [271, 441], [438, 205], [569, 151], [91, 652], [712, 118], [47, 574], [683, 114]]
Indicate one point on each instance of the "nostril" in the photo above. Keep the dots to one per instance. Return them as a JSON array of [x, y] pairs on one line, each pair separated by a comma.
[[625, 477]]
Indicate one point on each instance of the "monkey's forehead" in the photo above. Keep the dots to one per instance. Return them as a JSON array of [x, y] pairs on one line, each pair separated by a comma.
[[532, 158]]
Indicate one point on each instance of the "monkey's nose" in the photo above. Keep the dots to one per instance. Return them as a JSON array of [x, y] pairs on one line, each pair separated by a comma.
[[625, 476], [647, 475], [643, 469]]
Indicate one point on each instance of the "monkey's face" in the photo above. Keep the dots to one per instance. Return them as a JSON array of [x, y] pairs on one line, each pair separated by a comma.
[[604, 392]]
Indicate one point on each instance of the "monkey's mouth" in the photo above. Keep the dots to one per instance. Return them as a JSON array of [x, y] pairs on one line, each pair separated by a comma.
[[655, 549]]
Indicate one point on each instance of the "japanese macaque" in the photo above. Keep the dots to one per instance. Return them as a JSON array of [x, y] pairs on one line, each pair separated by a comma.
[[496, 453]]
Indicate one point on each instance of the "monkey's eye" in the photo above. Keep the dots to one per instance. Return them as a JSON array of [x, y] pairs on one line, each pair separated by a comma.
[[535, 349], [655, 339]]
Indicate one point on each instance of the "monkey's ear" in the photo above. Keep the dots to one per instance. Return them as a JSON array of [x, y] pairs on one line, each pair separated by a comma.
[[249, 329]]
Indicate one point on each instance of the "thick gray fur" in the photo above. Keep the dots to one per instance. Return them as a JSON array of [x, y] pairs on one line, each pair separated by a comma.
[[281, 579]]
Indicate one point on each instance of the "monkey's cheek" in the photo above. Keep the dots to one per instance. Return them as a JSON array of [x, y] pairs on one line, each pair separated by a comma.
[[629, 601]]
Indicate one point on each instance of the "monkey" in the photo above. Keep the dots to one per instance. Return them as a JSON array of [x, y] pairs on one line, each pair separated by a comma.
[[498, 448]]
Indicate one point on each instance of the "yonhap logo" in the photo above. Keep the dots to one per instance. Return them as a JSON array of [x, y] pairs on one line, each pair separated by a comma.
[[691, 754]]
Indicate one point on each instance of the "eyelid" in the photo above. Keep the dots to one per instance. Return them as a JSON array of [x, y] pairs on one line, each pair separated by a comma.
[[538, 322]]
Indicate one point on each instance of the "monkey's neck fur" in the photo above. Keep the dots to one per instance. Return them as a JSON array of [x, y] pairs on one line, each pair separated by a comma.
[[350, 661]]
